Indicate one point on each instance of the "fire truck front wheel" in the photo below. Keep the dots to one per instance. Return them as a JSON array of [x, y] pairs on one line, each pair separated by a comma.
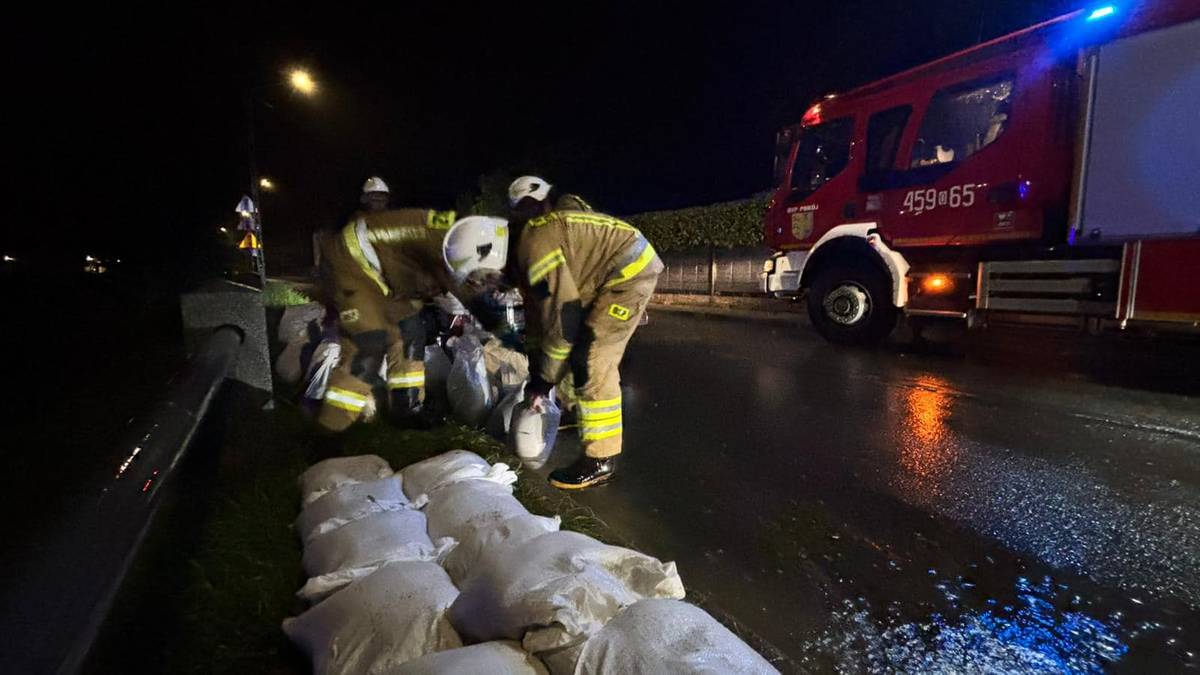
[[850, 304]]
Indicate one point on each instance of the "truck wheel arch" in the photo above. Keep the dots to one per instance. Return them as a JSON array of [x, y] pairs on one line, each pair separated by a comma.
[[857, 241]]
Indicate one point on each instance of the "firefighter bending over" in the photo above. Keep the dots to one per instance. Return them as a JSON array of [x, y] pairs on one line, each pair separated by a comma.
[[586, 278], [378, 272]]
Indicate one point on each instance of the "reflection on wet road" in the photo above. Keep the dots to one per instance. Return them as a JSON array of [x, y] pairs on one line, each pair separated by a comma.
[[884, 512]]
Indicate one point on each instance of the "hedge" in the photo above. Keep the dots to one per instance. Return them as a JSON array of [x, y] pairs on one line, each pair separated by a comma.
[[724, 225]]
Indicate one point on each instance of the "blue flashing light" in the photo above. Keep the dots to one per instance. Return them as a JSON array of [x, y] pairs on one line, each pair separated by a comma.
[[1102, 12]]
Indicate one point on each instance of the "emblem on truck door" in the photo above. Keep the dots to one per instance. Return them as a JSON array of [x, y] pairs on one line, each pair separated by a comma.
[[802, 224], [802, 221]]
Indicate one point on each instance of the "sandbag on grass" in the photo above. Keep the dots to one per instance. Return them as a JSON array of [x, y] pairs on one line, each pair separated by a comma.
[[428, 475], [666, 637], [348, 503], [488, 658], [458, 509], [392, 616], [338, 471], [557, 590]]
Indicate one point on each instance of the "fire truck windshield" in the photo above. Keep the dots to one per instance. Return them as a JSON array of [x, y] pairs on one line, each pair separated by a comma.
[[824, 151]]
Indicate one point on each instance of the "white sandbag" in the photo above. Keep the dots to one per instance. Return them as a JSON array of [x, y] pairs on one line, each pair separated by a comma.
[[376, 539], [507, 369], [666, 637], [338, 471], [390, 617], [467, 386], [492, 539], [289, 367], [533, 431], [450, 467], [502, 657], [300, 322], [348, 503], [460, 508], [556, 590]]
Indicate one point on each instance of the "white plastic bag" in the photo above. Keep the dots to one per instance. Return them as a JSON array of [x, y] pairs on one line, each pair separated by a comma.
[[325, 358], [665, 637], [387, 618], [491, 539], [338, 471], [348, 503], [467, 386], [490, 658], [556, 590], [374, 540], [533, 432], [450, 467], [460, 508]]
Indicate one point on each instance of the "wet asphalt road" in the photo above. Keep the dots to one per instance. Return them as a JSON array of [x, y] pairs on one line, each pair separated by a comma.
[[882, 511]]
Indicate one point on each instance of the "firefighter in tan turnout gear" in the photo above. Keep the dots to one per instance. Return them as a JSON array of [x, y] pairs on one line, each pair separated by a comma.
[[586, 278], [378, 271]]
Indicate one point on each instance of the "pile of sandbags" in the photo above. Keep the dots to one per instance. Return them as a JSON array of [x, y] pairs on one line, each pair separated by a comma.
[[392, 551], [355, 518], [482, 372]]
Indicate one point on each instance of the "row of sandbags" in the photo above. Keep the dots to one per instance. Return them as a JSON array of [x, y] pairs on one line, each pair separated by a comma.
[[481, 571]]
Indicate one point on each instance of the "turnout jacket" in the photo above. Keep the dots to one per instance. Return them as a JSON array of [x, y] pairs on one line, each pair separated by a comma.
[[566, 259]]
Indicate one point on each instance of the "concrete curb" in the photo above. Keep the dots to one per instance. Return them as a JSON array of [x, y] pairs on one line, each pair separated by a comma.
[[731, 312]]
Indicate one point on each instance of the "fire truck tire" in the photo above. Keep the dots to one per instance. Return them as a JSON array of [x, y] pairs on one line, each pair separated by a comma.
[[851, 303]]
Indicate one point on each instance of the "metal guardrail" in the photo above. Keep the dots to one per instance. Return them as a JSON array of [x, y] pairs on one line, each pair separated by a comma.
[[713, 271], [82, 568]]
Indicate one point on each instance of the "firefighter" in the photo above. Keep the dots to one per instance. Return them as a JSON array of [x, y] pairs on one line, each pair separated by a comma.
[[375, 195], [379, 271], [528, 195], [586, 278]]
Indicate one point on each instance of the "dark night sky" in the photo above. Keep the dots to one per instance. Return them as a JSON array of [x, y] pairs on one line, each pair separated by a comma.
[[127, 126]]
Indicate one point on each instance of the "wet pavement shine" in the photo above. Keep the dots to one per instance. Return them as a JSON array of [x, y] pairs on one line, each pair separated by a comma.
[[883, 511]]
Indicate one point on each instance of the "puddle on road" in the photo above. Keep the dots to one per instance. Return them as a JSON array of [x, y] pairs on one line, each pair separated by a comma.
[[1031, 635], [941, 600]]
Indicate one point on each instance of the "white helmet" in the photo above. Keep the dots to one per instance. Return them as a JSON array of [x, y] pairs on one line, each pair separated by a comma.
[[528, 186], [375, 184], [476, 242]]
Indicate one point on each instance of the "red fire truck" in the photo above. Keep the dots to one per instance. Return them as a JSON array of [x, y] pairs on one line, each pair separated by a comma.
[[1048, 176]]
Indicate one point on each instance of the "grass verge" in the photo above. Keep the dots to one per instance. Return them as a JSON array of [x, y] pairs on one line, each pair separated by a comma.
[[218, 571]]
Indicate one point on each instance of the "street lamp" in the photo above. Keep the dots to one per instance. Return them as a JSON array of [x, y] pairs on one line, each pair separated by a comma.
[[301, 81]]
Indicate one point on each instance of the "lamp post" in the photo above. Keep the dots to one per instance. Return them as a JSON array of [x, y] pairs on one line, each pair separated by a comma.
[[302, 82]]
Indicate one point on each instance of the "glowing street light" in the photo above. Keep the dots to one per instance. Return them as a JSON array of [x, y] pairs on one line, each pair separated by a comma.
[[9, 258], [302, 81], [266, 184], [223, 229]]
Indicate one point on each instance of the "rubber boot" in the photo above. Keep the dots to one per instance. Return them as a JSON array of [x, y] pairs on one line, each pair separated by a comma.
[[584, 473]]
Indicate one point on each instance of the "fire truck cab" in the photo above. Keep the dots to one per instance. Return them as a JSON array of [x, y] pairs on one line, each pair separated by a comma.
[[1048, 176]]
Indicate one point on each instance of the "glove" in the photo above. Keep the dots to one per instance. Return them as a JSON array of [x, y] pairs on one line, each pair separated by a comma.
[[537, 390]]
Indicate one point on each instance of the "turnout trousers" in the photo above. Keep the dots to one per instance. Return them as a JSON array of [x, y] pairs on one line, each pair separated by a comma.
[[595, 362]]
